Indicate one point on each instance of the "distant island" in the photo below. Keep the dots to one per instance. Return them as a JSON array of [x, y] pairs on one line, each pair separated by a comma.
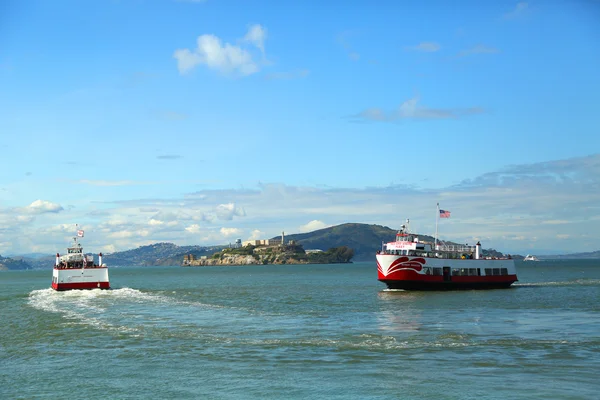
[[593, 255], [290, 253], [14, 264], [363, 239]]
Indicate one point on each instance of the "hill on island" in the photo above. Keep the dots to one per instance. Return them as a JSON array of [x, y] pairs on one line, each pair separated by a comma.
[[11, 263], [364, 239], [158, 254]]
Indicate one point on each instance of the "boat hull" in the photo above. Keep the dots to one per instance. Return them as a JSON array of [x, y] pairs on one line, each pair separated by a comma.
[[429, 273], [441, 286], [80, 278], [80, 286]]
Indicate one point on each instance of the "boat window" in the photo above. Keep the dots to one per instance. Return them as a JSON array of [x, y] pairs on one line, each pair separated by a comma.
[[503, 271]]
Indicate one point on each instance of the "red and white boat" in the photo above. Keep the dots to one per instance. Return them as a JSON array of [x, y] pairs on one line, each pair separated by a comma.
[[75, 270], [410, 264]]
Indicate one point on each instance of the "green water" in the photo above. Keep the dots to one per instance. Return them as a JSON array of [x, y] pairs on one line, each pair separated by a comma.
[[317, 331]]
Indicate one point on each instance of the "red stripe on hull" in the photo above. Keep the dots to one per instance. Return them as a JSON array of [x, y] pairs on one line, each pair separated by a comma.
[[80, 286]]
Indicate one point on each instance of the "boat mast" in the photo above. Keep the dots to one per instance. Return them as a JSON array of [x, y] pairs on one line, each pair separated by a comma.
[[437, 218], [78, 247]]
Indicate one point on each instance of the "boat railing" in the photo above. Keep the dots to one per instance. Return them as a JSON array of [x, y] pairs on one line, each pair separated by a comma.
[[456, 248]]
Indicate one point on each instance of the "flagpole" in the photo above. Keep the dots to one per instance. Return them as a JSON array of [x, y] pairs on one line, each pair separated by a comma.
[[437, 217]]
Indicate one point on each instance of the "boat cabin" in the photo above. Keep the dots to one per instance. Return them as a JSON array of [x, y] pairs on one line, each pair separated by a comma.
[[408, 244], [75, 258]]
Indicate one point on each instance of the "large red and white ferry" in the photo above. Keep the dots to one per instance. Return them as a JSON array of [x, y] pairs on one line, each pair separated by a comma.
[[76, 270], [410, 264]]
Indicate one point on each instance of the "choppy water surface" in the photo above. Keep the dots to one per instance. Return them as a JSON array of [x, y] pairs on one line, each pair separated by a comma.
[[320, 331]]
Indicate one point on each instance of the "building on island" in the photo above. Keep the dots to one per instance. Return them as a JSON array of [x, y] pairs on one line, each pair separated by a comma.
[[188, 258], [267, 242], [236, 245]]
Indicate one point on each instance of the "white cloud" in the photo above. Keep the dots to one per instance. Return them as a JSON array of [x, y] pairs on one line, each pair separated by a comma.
[[312, 226], [208, 217], [62, 228], [410, 109], [194, 228], [228, 211], [426, 47], [257, 36], [120, 234], [225, 58], [563, 198], [116, 221], [109, 248], [42, 206], [24, 218], [171, 215], [228, 232]]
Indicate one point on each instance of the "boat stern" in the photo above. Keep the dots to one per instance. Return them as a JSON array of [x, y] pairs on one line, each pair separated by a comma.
[[80, 278]]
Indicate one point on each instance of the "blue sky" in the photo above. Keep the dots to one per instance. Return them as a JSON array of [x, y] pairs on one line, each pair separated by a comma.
[[199, 122]]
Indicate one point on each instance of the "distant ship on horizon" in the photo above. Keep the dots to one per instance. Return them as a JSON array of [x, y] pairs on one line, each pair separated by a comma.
[[529, 257]]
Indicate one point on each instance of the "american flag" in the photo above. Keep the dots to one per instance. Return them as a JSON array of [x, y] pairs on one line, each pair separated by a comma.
[[80, 233], [444, 214]]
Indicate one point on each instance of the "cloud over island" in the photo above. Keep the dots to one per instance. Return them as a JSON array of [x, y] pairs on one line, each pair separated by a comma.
[[562, 201]]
